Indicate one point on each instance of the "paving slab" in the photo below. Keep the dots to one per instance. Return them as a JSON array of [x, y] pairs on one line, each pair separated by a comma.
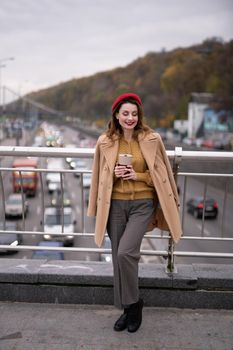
[[39, 326]]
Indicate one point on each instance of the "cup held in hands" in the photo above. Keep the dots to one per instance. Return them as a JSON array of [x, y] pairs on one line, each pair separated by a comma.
[[125, 159]]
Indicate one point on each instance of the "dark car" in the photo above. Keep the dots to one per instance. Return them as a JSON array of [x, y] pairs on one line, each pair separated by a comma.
[[196, 206], [12, 239], [48, 254]]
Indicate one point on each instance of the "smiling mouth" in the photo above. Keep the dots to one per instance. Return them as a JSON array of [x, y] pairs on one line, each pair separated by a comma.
[[127, 123]]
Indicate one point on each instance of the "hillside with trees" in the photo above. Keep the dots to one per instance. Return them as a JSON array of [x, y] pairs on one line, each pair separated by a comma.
[[164, 80]]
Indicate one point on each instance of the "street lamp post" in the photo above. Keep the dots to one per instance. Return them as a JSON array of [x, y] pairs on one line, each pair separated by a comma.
[[2, 65]]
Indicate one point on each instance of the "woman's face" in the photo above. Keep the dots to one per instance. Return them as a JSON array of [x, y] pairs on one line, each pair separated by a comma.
[[128, 116]]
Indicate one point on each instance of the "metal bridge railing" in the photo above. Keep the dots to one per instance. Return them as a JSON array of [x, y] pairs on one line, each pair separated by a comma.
[[177, 156]]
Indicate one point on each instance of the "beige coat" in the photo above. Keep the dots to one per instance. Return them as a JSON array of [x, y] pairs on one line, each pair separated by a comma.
[[158, 164]]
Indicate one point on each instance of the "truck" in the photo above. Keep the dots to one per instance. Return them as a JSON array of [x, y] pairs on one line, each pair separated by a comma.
[[27, 178]]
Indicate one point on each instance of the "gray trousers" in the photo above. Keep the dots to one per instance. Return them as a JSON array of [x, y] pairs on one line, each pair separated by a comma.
[[127, 224]]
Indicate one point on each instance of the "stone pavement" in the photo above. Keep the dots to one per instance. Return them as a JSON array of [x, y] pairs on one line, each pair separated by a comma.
[[28, 326]]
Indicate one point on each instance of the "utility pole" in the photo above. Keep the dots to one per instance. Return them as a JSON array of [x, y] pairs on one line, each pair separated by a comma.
[[2, 65]]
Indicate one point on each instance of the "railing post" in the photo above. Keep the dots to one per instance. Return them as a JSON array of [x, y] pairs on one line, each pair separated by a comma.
[[170, 262], [176, 164]]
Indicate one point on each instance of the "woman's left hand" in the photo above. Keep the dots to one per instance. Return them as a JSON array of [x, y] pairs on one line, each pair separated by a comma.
[[130, 174]]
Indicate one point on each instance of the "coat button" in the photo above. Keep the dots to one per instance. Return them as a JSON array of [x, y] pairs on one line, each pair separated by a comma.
[[164, 180], [170, 194]]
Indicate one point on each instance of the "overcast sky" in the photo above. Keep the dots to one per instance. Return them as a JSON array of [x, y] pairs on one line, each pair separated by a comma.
[[57, 40]]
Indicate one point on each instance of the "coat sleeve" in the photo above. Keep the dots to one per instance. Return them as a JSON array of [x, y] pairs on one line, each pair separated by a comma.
[[170, 173], [93, 194]]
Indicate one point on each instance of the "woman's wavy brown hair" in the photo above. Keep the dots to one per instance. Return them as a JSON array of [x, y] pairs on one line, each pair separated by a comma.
[[114, 127]]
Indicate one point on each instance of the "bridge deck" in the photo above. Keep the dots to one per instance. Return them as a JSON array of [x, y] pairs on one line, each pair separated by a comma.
[[26, 326]]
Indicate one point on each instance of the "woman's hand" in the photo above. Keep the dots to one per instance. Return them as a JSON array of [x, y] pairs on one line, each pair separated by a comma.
[[125, 172], [119, 170]]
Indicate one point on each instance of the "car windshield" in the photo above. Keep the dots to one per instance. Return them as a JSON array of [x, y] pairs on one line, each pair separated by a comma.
[[25, 180], [56, 219], [15, 201], [207, 201]]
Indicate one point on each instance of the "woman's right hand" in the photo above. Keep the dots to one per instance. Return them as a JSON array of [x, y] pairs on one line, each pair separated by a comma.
[[119, 170]]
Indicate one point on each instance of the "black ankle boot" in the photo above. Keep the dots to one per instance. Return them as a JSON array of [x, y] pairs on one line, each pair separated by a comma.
[[122, 321], [135, 316]]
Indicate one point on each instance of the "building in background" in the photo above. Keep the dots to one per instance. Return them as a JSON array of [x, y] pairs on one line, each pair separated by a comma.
[[213, 127]]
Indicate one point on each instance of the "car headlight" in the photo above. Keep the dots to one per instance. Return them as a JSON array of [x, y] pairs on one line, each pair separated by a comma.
[[108, 258]]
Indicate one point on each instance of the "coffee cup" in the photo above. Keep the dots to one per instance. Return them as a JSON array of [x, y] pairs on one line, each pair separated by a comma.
[[125, 159]]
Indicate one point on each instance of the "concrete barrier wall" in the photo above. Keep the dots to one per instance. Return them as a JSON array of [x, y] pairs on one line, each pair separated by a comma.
[[75, 282]]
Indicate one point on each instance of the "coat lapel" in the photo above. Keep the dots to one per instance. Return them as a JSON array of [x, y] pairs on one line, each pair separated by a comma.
[[110, 150], [148, 146]]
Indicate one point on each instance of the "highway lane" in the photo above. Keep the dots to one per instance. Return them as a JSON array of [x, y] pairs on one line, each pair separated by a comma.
[[193, 227], [34, 217], [212, 227]]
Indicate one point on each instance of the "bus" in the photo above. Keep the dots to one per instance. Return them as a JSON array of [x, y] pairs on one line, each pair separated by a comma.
[[27, 178]]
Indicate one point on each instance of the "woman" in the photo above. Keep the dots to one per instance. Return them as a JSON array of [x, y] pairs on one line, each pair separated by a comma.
[[125, 199]]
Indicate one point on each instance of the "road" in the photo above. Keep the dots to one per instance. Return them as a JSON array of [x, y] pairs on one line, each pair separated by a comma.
[[191, 225]]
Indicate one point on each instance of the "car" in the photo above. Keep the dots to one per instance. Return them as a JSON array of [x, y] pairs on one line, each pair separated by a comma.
[[195, 206], [48, 254], [107, 257], [15, 205], [53, 224], [86, 180], [56, 200], [54, 186], [54, 182], [54, 164], [53, 179], [208, 143], [12, 239], [70, 159], [86, 194], [80, 165], [74, 162]]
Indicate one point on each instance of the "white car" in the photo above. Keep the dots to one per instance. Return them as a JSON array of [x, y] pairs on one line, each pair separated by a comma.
[[86, 180], [16, 205], [53, 182], [80, 165], [53, 224]]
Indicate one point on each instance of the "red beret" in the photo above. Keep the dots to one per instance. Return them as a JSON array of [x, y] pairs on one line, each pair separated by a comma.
[[125, 97]]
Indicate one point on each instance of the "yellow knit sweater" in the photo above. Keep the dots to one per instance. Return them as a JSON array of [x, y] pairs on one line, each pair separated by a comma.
[[142, 187]]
